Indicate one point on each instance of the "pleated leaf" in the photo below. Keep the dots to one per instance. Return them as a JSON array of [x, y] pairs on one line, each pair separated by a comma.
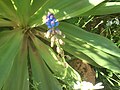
[[4, 23], [94, 40], [104, 8], [98, 48], [19, 72], [75, 50], [22, 9], [35, 5], [7, 10], [61, 70], [62, 9], [6, 36], [42, 77], [8, 53]]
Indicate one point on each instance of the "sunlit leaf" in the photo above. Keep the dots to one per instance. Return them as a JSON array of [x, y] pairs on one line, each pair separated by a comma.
[[90, 45], [62, 9], [104, 8], [75, 50], [35, 6], [91, 39], [61, 70]]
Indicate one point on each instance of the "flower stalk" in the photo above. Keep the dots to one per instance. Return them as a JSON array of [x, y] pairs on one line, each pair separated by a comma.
[[55, 35]]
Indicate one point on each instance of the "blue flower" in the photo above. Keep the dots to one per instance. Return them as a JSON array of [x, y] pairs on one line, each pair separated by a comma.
[[56, 24], [51, 21]]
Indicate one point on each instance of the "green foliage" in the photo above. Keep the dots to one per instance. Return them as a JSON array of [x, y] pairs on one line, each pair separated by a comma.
[[110, 79], [107, 26], [26, 59]]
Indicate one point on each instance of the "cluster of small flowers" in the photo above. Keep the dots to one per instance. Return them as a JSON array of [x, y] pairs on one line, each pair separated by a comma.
[[51, 21], [87, 86], [54, 32]]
